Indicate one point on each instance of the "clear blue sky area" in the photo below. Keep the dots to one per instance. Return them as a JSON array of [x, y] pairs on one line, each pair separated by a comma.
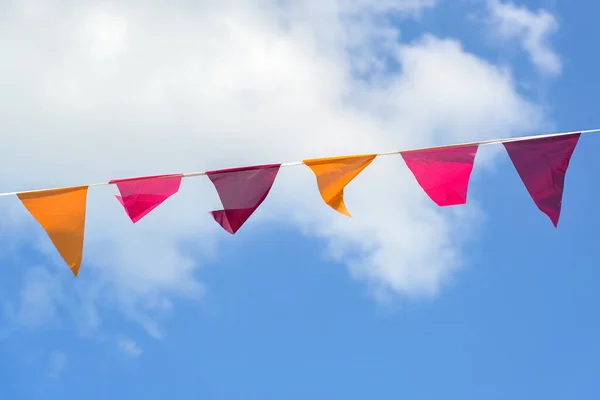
[[282, 321]]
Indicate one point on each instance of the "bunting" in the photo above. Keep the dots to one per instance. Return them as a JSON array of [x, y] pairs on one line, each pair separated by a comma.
[[242, 191], [141, 195], [61, 212], [443, 173], [542, 165], [334, 174]]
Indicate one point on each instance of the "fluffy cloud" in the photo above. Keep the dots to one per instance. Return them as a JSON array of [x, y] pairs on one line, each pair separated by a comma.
[[95, 90], [39, 298], [58, 363], [129, 347], [531, 29]]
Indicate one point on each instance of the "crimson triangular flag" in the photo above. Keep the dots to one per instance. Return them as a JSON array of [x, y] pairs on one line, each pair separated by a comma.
[[241, 191], [443, 173], [542, 165], [141, 195]]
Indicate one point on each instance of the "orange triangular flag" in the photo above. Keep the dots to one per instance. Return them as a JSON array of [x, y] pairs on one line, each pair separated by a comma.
[[333, 174], [61, 212]]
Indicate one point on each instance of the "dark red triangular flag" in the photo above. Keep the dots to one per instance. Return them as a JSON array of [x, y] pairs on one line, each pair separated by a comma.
[[443, 173], [241, 191], [542, 165]]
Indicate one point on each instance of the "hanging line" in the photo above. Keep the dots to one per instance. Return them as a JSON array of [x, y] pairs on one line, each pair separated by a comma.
[[297, 163]]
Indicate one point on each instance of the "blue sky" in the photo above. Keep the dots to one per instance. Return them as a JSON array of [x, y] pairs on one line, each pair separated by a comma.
[[488, 301]]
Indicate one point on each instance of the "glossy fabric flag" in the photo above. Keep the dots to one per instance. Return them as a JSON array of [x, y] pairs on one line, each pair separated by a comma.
[[61, 212], [443, 173], [139, 196], [542, 165], [333, 174], [241, 190]]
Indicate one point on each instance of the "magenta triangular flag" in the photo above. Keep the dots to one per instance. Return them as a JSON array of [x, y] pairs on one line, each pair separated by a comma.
[[542, 165], [141, 195], [241, 191], [443, 173]]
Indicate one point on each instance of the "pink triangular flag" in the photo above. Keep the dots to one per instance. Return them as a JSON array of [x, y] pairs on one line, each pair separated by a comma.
[[241, 191], [141, 195], [443, 173], [542, 165]]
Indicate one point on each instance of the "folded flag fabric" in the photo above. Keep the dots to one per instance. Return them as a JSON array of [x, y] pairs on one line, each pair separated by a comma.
[[334, 174], [242, 191], [141, 195]]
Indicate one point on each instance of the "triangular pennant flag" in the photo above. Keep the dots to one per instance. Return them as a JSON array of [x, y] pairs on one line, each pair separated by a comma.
[[443, 173], [141, 195], [542, 165], [241, 191], [333, 174], [61, 212]]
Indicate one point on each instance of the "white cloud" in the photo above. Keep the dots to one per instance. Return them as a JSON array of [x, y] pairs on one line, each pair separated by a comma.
[[38, 299], [58, 363], [129, 347], [47, 295], [95, 91], [532, 29]]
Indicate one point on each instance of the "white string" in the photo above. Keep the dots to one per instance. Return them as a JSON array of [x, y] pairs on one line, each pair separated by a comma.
[[297, 163]]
